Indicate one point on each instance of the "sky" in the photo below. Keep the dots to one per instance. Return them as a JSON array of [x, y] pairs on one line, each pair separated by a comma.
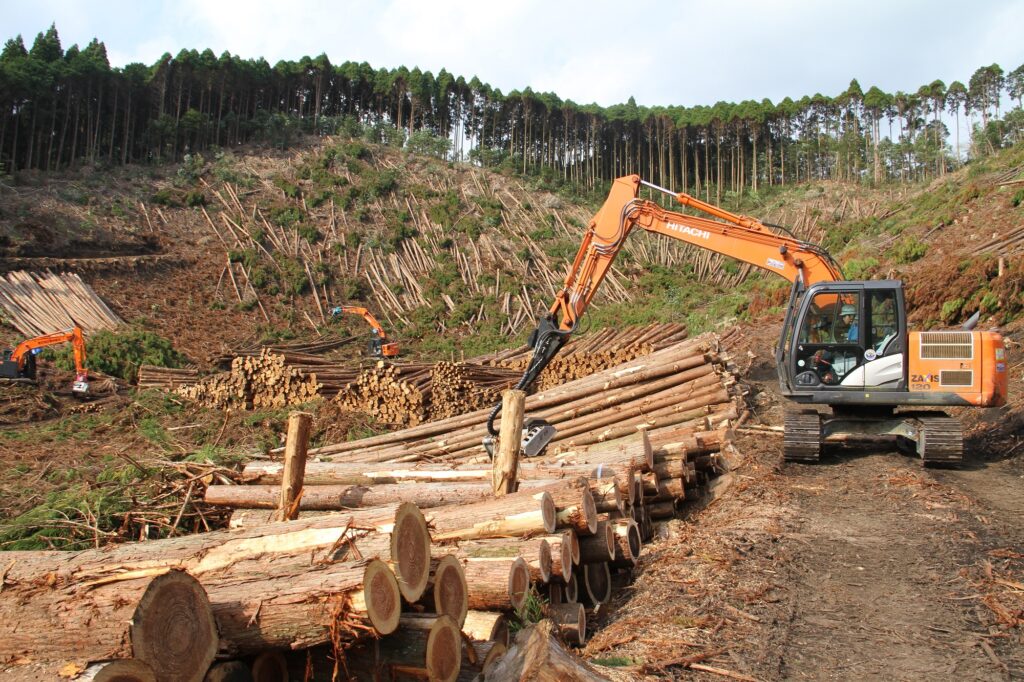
[[658, 51]]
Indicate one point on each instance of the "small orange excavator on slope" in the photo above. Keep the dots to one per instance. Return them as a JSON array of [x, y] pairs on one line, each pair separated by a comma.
[[20, 363], [844, 344], [379, 346]]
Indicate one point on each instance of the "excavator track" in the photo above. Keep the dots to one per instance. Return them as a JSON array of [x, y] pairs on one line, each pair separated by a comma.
[[941, 440], [801, 440]]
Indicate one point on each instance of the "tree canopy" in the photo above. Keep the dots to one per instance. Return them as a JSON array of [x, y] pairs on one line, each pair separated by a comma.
[[67, 107]]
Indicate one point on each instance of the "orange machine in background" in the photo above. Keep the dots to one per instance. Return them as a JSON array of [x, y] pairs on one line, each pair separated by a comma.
[[20, 363]]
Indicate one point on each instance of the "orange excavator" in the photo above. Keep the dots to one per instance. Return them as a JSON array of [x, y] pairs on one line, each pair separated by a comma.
[[379, 346], [844, 344], [20, 363]]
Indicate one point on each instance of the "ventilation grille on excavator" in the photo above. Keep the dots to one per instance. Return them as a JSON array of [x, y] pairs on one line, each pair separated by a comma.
[[947, 346], [956, 377]]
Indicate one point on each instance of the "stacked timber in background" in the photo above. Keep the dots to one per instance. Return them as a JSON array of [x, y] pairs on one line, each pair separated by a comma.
[[43, 303], [166, 378], [392, 393], [457, 388], [260, 381]]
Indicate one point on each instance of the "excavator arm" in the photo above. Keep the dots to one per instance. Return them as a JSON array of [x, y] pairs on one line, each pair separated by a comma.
[[73, 335], [740, 237], [366, 315], [379, 344], [19, 358]]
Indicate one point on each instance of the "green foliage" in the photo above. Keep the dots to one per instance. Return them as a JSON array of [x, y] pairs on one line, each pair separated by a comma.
[[1018, 198], [192, 168], [860, 268], [427, 144], [380, 183], [120, 353], [285, 216], [951, 310], [308, 232], [164, 197], [909, 250], [194, 198], [443, 212], [290, 189]]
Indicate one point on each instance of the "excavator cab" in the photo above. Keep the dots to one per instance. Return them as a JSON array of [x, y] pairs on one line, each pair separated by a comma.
[[847, 336]]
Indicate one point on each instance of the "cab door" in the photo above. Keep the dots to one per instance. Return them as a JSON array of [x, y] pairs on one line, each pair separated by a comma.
[[829, 339]]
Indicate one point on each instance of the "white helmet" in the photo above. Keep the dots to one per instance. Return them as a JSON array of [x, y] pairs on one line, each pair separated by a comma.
[[848, 309]]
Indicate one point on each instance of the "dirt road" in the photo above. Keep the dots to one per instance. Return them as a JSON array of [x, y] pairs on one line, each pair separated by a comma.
[[888, 571], [865, 566]]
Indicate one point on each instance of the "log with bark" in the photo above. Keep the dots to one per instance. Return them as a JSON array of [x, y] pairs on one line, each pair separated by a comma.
[[47, 616]]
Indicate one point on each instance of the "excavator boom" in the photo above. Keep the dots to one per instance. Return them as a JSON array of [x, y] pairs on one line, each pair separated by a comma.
[[844, 344], [379, 345], [19, 363]]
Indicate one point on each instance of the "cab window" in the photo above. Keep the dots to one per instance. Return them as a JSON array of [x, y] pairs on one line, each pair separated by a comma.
[[884, 324], [832, 318]]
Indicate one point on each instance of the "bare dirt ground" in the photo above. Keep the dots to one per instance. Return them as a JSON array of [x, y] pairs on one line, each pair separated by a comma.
[[864, 566]]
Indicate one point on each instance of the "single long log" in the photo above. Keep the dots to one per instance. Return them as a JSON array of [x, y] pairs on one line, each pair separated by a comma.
[[344, 497], [597, 582], [627, 543], [126, 670], [600, 546], [571, 620], [514, 515], [447, 593], [560, 546], [304, 606], [165, 621], [535, 551], [427, 646]]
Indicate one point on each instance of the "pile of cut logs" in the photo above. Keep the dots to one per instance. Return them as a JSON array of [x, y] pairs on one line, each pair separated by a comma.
[[388, 566], [593, 353], [260, 381], [394, 394], [166, 378], [634, 443], [461, 387]]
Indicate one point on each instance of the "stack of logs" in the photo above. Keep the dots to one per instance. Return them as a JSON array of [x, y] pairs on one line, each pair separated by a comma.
[[166, 378], [393, 394], [634, 443], [376, 586], [261, 381], [461, 387]]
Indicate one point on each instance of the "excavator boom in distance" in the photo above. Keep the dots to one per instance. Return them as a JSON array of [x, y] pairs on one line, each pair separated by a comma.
[[379, 346], [845, 344], [20, 363]]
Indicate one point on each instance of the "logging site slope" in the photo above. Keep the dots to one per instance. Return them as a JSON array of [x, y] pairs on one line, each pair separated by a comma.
[[660, 531]]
